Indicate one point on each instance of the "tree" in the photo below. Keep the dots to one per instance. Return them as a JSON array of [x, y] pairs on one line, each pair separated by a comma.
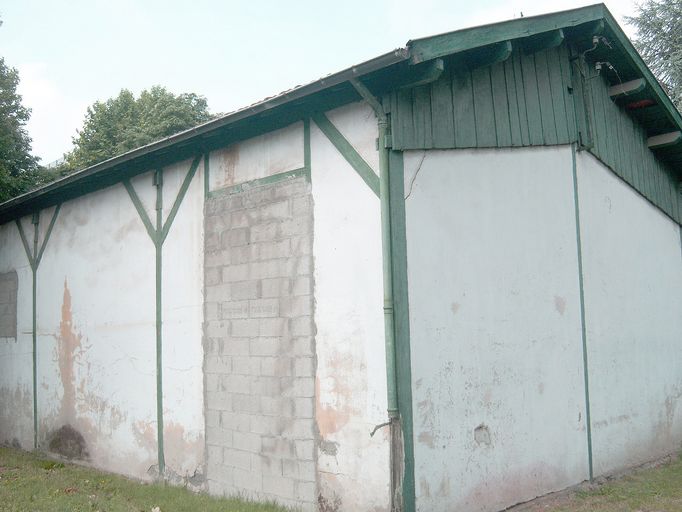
[[19, 169], [124, 123], [659, 40]]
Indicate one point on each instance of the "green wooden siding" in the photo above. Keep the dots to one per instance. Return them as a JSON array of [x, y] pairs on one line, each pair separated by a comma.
[[529, 100], [523, 101], [621, 143]]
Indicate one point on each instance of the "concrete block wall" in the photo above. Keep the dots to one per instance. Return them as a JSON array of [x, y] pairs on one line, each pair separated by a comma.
[[259, 345]]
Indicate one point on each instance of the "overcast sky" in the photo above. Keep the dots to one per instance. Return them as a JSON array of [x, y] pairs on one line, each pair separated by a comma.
[[72, 53]]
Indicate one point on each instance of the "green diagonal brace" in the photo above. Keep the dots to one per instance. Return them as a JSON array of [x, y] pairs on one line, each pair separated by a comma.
[[158, 235], [179, 198], [348, 152], [34, 256], [140, 209]]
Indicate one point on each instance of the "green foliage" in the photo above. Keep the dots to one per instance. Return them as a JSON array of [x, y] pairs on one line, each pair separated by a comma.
[[659, 40], [19, 170], [124, 123]]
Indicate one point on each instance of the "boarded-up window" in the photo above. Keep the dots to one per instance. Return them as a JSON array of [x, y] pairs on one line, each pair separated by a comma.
[[8, 305]]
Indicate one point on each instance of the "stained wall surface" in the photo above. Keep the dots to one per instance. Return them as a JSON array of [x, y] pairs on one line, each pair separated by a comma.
[[96, 358], [351, 369], [498, 396], [16, 388], [632, 261]]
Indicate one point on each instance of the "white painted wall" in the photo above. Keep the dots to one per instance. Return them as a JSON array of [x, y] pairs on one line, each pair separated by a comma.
[[96, 326], [259, 157], [16, 388], [498, 396], [351, 374], [632, 261]]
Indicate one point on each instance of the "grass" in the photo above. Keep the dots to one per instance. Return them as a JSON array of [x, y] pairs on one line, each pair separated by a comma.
[[654, 489], [30, 482]]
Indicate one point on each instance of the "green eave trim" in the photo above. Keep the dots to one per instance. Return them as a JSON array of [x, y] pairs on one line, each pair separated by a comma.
[[433, 47], [636, 60]]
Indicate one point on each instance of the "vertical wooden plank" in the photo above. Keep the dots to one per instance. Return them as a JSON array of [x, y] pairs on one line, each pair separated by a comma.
[[582, 101], [675, 206], [405, 119], [599, 124], [530, 87], [615, 136], [441, 113], [463, 107], [501, 105], [421, 110], [546, 101], [627, 146], [513, 103], [558, 89], [634, 141], [569, 97], [396, 133], [649, 170], [521, 98], [665, 185], [484, 109]]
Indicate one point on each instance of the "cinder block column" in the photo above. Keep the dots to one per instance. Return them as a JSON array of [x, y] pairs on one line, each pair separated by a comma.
[[259, 346]]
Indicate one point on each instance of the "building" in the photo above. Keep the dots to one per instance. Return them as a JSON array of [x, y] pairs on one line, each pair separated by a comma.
[[448, 278]]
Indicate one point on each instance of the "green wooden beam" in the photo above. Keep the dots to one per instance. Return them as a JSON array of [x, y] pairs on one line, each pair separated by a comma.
[[485, 56], [24, 241], [664, 140], [207, 174], [420, 74], [428, 48], [37, 260], [543, 41], [181, 195], [140, 210], [306, 145], [48, 234], [348, 152], [34, 256], [158, 235], [627, 88], [581, 287], [402, 323], [259, 182]]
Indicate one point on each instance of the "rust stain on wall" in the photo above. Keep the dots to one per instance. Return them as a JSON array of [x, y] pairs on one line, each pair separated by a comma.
[[71, 421], [68, 343], [333, 414]]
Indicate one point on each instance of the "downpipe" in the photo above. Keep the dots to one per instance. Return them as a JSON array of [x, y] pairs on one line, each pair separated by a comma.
[[396, 448]]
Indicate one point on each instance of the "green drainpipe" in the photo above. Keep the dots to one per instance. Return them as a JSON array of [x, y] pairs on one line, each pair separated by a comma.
[[389, 332]]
